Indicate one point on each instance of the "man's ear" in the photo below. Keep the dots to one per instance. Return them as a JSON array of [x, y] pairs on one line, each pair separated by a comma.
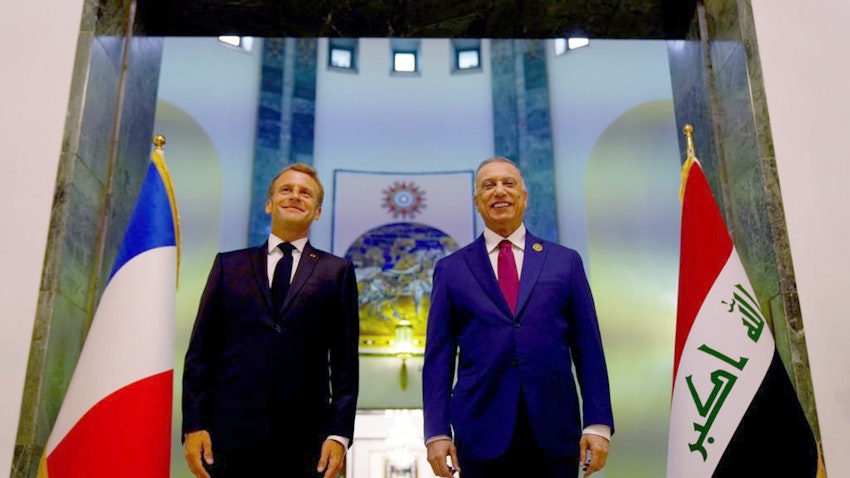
[[318, 213], [268, 206]]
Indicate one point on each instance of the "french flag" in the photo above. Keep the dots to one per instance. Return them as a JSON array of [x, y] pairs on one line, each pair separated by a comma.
[[115, 419], [734, 412]]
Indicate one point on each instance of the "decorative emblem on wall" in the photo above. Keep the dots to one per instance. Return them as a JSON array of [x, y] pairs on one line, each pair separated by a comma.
[[393, 256], [394, 265], [404, 199]]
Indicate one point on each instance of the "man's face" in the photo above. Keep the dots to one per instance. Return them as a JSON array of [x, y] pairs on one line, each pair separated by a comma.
[[293, 204], [500, 197]]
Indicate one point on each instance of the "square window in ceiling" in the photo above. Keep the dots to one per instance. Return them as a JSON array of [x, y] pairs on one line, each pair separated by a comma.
[[341, 58], [404, 56], [342, 54], [468, 59], [466, 55], [404, 62]]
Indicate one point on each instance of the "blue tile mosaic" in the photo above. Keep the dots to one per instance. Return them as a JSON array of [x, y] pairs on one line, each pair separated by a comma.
[[285, 119]]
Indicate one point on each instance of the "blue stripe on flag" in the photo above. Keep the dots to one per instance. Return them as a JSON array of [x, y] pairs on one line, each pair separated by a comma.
[[152, 224]]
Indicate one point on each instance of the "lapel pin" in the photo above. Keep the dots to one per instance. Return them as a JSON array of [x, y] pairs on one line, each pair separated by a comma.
[[313, 255], [537, 247]]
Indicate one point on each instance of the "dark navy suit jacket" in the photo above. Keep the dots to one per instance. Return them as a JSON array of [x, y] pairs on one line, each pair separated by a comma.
[[500, 356], [250, 368]]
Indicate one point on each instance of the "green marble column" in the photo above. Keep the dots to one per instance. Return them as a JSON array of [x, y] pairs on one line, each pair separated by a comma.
[[717, 87], [105, 153], [522, 127], [286, 120]]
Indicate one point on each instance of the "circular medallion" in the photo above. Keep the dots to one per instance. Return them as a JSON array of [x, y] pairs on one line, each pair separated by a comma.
[[404, 199]]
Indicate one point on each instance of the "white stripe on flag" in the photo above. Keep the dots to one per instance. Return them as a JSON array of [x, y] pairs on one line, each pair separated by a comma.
[[131, 336], [712, 357]]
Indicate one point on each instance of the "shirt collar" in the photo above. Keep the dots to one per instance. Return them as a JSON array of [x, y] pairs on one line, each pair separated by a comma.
[[492, 239], [274, 241]]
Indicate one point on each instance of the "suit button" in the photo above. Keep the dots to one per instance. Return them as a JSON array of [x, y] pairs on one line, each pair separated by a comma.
[[515, 362], [516, 325], [278, 328]]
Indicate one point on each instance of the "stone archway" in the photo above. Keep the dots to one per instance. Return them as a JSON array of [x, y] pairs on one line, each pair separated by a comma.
[[716, 81]]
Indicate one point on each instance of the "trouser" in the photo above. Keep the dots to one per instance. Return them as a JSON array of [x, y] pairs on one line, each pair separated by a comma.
[[523, 458], [283, 460]]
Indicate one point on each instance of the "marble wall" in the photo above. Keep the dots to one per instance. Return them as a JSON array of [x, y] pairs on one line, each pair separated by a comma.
[[522, 125], [105, 154], [718, 88]]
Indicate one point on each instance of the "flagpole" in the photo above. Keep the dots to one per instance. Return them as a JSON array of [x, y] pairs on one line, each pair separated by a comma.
[[689, 159], [158, 158]]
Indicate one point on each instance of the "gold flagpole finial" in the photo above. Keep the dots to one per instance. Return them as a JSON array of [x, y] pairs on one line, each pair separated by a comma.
[[159, 141], [689, 137], [689, 160]]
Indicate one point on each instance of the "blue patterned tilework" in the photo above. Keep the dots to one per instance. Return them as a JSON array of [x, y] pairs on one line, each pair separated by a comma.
[[522, 127], [285, 119]]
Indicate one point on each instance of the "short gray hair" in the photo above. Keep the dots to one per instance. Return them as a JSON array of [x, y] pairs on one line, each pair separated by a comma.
[[499, 159]]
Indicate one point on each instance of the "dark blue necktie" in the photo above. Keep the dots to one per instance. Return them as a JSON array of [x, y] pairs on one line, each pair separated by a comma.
[[282, 273]]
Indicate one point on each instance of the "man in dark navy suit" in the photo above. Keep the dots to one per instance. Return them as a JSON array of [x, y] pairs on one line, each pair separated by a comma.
[[512, 314], [271, 372]]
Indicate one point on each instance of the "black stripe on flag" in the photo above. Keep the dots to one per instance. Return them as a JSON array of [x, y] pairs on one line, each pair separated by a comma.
[[774, 438]]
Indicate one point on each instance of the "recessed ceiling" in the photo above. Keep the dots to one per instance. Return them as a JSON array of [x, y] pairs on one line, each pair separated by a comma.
[[611, 19]]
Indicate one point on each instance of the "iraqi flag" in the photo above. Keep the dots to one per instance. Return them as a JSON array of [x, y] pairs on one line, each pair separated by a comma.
[[734, 412], [115, 419]]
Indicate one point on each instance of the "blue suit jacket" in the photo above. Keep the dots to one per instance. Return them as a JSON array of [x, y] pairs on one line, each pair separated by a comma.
[[250, 367], [500, 356]]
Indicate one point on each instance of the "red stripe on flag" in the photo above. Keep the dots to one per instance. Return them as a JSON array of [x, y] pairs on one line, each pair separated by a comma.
[[126, 434], [705, 248]]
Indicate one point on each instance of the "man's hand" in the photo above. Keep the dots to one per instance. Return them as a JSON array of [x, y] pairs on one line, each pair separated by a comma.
[[438, 450], [332, 458], [195, 445], [598, 448]]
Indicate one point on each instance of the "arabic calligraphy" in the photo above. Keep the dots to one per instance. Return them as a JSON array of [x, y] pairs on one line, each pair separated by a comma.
[[742, 305], [746, 305], [723, 382]]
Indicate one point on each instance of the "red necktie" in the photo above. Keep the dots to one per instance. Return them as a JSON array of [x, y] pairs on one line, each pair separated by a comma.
[[508, 277]]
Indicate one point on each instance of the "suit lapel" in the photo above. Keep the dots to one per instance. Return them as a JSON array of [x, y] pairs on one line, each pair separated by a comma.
[[259, 269], [481, 268], [534, 257]]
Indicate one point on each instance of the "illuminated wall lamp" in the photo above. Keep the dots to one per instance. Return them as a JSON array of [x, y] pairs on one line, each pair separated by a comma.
[[403, 347]]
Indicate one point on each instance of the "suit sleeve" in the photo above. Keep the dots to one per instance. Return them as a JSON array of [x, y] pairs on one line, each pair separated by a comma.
[[198, 361], [440, 352], [344, 357], [588, 355]]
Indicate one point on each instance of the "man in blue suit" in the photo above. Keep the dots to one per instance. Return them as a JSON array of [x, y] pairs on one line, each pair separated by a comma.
[[512, 314], [271, 373]]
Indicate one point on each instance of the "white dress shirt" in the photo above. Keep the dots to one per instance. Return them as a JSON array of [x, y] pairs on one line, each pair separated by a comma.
[[275, 254]]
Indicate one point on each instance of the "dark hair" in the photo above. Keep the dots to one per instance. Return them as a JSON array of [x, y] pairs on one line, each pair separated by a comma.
[[301, 168]]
